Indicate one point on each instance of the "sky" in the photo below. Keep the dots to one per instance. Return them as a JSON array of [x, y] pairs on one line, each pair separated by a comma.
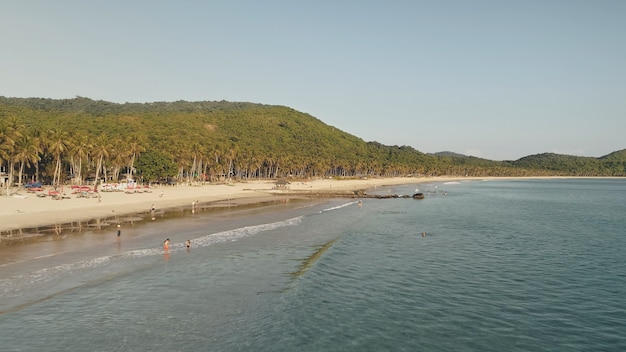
[[493, 79]]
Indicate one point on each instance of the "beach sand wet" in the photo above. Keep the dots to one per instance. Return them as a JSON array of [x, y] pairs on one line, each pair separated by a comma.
[[24, 210], [140, 232], [48, 232]]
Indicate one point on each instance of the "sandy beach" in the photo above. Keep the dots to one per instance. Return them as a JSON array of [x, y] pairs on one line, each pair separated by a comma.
[[29, 209], [25, 209]]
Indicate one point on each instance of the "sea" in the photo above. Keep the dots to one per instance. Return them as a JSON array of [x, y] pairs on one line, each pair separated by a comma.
[[482, 265]]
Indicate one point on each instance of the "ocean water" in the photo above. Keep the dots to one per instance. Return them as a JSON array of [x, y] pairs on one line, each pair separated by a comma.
[[522, 265]]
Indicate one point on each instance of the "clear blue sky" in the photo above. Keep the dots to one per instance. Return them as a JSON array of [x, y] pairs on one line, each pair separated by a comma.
[[495, 79]]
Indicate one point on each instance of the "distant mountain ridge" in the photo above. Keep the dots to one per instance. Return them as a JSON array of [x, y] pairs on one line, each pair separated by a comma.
[[619, 155]]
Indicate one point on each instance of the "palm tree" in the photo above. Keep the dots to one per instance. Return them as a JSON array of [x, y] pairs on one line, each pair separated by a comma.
[[26, 151], [8, 135], [57, 145], [179, 152], [79, 151], [40, 137], [255, 163], [135, 149], [197, 151], [100, 152], [231, 156], [119, 156], [7, 141], [217, 163]]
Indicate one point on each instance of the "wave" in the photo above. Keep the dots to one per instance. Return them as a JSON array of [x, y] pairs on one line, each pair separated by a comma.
[[338, 207], [452, 183], [233, 235], [16, 285]]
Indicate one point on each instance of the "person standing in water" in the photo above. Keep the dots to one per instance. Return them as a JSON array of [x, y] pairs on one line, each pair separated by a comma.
[[166, 249], [119, 230]]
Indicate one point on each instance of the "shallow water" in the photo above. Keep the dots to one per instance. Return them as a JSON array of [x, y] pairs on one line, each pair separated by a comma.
[[505, 266]]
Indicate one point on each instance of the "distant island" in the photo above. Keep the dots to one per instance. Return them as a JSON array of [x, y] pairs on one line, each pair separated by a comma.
[[61, 141]]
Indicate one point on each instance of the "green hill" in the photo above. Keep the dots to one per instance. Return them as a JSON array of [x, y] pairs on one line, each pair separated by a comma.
[[572, 165], [72, 139], [618, 156]]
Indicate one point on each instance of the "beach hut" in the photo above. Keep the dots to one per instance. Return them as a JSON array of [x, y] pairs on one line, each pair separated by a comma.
[[4, 179], [281, 184]]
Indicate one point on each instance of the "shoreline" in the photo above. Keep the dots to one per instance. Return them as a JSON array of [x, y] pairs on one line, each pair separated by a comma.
[[25, 210]]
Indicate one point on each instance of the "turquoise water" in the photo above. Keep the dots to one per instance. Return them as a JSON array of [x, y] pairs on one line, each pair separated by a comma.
[[525, 265]]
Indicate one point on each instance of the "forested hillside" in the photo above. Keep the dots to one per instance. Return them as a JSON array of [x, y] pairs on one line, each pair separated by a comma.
[[69, 140], [612, 164]]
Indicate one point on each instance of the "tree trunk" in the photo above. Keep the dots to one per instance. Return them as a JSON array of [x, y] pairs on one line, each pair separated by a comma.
[[95, 182], [19, 177]]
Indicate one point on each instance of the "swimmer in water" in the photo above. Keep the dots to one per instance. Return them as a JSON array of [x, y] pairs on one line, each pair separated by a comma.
[[166, 244], [188, 244]]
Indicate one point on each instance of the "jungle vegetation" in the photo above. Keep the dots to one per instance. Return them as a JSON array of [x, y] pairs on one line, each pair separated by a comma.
[[61, 141]]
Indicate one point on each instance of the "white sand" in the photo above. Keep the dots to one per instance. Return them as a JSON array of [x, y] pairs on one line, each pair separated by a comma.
[[25, 210]]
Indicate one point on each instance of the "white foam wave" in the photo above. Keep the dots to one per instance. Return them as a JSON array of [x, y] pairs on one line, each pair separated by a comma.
[[452, 183], [218, 237], [339, 206], [233, 235], [27, 281]]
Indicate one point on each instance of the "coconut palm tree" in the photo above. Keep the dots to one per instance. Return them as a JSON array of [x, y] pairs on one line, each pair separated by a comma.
[[100, 152], [197, 152], [179, 152], [256, 162], [58, 141], [217, 161], [40, 137], [79, 152], [231, 157], [7, 141], [119, 156], [8, 135], [135, 148], [27, 151]]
